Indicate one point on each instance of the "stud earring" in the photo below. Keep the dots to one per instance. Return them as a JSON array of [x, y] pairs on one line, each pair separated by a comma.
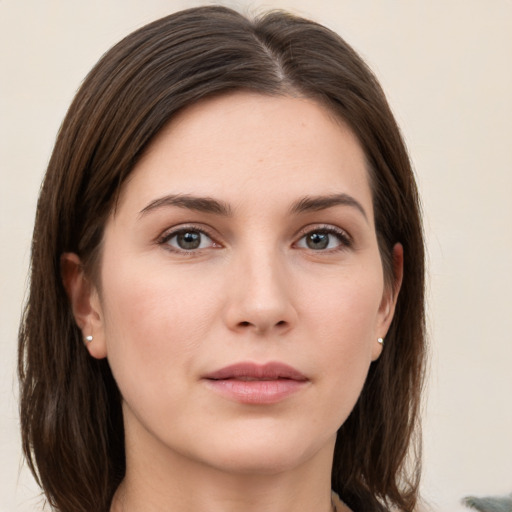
[[88, 339], [380, 340]]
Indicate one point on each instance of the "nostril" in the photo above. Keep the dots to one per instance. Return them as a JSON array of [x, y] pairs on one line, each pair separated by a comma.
[[281, 323]]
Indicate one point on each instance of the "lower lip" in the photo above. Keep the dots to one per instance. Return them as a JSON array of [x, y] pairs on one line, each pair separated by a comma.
[[256, 391]]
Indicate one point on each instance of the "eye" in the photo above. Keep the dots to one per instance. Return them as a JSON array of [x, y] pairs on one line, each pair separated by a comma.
[[187, 240], [324, 239]]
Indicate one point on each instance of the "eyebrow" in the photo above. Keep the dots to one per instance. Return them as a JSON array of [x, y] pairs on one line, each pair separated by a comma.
[[210, 205], [199, 204], [316, 203]]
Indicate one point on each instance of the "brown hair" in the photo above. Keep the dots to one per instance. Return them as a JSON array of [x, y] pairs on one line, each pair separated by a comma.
[[71, 419]]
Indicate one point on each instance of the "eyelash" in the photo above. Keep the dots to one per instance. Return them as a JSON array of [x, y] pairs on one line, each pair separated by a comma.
[[166, 237], [344, 239]]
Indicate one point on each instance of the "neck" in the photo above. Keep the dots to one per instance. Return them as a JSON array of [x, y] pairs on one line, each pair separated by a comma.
[[160, 479]]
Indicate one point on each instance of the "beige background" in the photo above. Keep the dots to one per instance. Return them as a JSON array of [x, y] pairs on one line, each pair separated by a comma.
[[447, 68]]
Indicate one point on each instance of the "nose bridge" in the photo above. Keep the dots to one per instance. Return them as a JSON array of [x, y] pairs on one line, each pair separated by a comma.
[[260, 298]]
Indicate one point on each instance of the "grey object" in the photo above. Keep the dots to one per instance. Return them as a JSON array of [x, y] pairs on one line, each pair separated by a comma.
[[489, 503]]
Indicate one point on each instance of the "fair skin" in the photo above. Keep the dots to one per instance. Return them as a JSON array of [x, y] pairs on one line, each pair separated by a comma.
[[244, 235]]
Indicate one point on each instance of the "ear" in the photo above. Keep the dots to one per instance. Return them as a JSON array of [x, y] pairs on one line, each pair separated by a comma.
[[85, 303], [389, 299]]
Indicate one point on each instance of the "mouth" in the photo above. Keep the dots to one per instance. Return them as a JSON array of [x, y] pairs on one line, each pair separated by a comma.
[[251, 383]]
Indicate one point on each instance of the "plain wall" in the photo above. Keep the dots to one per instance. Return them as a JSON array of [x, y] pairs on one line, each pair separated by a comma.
[[447, 69]]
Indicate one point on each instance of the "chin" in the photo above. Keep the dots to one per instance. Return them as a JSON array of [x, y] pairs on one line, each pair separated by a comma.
[[267, 453], [259, 464]]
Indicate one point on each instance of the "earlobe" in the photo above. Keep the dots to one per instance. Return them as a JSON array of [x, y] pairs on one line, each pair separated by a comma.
[[85, 304], [389, 300]]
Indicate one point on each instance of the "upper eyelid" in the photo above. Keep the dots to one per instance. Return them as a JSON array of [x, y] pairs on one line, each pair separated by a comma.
[[211, 233], [345, 240], [167, 235], [311, 228], [175, 230]]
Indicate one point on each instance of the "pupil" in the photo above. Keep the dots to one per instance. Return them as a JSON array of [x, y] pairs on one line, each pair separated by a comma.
[[318, 241], [189, 240]]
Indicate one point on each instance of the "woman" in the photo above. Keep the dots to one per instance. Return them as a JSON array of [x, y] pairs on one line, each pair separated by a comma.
[[226, 305]]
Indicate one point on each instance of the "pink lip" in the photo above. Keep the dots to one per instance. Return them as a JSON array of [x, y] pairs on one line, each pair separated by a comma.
[[251, 383]]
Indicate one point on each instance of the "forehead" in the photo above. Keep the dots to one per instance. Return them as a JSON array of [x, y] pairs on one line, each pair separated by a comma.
[[246, 145]]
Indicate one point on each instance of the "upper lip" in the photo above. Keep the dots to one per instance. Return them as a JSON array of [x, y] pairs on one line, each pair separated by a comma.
[[254, 371]]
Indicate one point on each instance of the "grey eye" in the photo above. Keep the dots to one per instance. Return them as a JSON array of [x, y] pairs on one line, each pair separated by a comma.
[[324, 239], [189, 240], [317, 241]]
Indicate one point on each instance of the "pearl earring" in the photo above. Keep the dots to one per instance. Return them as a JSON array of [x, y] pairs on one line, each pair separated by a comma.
[[380, 340], [88, 339]]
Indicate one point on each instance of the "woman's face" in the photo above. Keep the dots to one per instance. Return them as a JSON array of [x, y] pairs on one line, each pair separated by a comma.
[[242, 291]]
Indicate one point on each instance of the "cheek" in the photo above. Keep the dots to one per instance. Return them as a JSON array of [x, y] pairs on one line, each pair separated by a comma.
[[346, 307], [154, 323], [343, 321]]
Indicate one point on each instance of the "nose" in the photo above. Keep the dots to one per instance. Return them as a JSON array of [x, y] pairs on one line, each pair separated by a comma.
[[260, 296]]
